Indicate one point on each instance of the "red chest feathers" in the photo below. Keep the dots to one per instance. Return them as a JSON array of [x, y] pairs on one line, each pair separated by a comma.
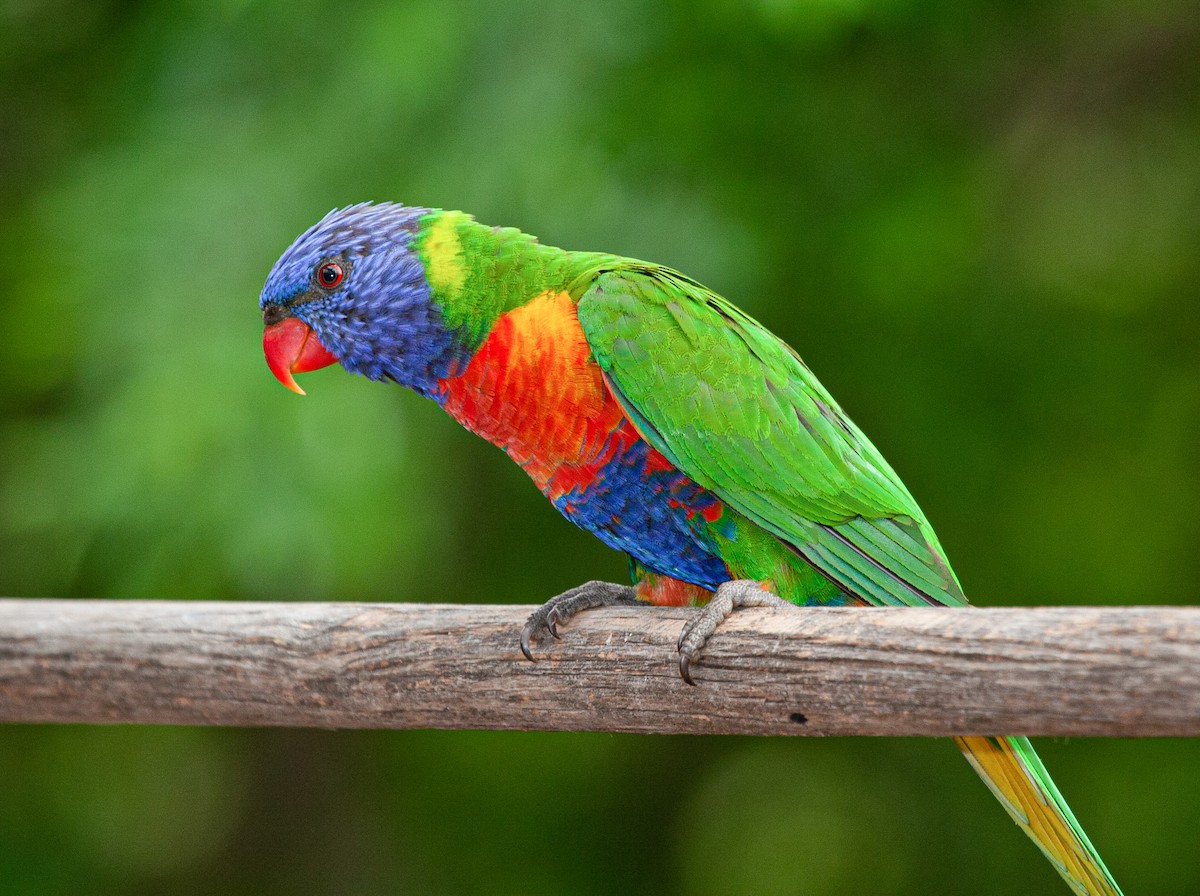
[[532, 389]]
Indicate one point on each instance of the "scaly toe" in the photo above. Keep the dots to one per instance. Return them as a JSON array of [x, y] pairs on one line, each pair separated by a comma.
[[561, 609]]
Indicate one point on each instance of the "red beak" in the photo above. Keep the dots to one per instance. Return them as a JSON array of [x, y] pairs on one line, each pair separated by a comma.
[[292, 347]]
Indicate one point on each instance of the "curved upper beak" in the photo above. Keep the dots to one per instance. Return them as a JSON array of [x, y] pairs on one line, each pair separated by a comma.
[[291, 347]]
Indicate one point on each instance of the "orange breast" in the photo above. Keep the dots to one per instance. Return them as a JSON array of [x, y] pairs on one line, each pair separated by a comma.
[[533, 389]]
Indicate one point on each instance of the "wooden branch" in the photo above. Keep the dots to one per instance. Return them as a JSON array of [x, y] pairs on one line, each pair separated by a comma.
[[1132, 671]]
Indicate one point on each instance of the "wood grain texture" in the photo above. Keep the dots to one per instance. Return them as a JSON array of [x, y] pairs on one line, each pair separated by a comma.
[[1132, 671]]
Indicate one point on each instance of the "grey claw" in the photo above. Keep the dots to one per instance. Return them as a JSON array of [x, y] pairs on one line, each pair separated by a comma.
[[525, 633], [684, 662], [552, 624]]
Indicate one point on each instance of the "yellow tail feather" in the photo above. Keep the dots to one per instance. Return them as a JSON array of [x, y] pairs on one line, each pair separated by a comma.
[[1016, 776]]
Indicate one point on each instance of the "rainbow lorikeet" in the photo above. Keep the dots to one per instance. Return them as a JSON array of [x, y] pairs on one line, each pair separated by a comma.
[[651, 412]]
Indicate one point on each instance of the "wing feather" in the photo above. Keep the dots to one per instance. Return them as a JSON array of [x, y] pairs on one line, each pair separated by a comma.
[[736, 409]]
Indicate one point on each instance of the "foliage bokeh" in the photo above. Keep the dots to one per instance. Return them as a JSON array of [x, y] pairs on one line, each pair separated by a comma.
[[977, 222]]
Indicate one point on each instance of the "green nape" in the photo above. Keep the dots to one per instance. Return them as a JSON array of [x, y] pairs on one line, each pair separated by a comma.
[[476, 273]]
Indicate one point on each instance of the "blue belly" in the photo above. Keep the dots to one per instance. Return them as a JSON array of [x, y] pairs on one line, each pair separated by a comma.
[[658, 516]]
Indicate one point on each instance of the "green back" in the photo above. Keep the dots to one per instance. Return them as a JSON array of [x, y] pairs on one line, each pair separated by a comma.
[[736, 409]]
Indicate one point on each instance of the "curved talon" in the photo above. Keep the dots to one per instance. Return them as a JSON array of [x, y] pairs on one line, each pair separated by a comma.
[[552, 623], [525, 633], [684, 663]]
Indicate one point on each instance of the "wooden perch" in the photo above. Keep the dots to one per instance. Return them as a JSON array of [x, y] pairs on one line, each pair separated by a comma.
[[1129, 671]]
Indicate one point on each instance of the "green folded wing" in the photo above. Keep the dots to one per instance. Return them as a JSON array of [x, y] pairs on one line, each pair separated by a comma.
[[736, 409]]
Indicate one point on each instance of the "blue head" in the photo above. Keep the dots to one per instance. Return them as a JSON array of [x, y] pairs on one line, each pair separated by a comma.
[[353, 282]]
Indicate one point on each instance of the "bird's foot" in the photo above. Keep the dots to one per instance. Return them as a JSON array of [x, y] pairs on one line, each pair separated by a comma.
[[557, 610], [730, 596]]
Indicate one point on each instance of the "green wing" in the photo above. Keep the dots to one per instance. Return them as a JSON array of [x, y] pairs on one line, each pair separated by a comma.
[[736, 409]]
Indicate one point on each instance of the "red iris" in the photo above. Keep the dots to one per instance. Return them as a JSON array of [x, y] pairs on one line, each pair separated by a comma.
[[330, 274]]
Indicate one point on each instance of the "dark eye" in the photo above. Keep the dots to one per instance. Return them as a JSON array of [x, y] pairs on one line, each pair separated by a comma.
[[330, 274]]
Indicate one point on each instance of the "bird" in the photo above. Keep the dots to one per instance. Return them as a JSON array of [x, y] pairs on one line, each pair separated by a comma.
[[654, 414]]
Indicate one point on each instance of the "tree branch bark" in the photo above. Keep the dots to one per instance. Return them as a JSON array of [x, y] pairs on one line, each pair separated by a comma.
[[1128, 671]]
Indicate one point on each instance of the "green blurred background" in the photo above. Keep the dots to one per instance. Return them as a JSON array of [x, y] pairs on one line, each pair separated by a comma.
[[977, 222]]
